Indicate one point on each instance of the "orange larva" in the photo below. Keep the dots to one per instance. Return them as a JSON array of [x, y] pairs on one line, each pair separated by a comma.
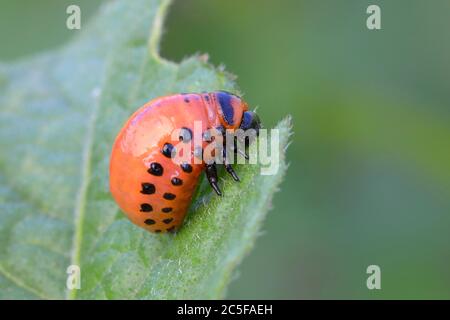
[[149, 186]]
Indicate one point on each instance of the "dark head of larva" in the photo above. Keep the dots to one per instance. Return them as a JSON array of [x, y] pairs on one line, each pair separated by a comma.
[[250, 120]]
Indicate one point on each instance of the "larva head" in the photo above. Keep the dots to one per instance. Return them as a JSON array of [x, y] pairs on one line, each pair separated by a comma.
[[250, 120]]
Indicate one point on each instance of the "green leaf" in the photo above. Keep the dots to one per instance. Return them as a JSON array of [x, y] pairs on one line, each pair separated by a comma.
[[60, 112]]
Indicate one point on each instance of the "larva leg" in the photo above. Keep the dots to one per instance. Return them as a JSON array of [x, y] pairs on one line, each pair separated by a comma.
[[228, 166], [211, 174]]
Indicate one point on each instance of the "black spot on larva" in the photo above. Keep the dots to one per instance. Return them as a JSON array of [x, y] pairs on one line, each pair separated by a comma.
[[145, 207], [207, 136], [186, 167], [157, 231], [185, 134], [148, 188], [167, 210], [176, 181], [149, 222], [156, 169], [224, 99], [206, 97], [186, 100], [171, 229], [198, 152], [167, 150], [169, 196], [168, 220]]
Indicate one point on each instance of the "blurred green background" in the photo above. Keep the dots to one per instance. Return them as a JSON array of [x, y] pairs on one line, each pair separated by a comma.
[[369, 176]]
